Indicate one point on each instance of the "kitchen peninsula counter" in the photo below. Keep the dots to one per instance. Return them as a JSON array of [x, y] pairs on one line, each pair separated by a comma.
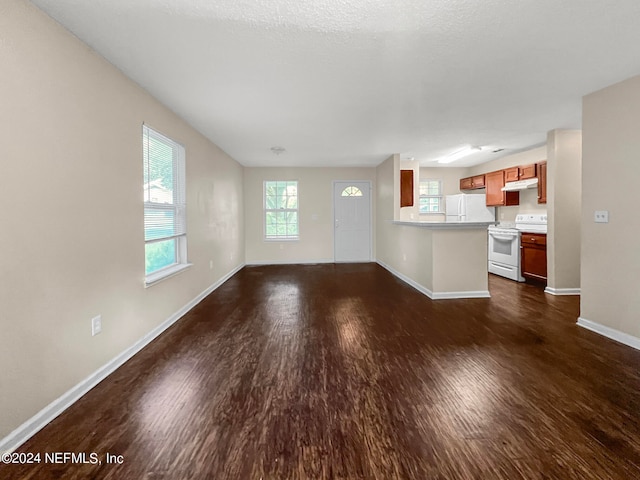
[[440, 259]]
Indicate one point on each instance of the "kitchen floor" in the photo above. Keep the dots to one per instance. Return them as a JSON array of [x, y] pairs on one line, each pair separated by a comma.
[[345, 372]]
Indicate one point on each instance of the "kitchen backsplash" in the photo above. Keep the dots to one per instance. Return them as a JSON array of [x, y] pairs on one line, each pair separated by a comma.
[[528, 204]]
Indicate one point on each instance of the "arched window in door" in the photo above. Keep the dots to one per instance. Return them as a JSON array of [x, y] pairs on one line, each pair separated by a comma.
[[351, 191]]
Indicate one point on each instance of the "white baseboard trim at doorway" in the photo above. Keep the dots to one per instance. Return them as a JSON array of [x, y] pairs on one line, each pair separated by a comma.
[[562, 291], [611, 333]]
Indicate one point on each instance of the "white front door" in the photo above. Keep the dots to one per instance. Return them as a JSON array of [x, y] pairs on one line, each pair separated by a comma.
[[352, 221]]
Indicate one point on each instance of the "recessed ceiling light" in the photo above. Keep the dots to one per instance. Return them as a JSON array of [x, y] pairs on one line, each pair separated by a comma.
[[278, 150]]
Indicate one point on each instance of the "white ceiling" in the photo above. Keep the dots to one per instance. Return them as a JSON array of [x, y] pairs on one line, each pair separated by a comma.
[[349, 82]]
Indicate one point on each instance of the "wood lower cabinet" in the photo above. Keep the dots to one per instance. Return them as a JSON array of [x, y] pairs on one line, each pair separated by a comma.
[[533, 256], [494, 182], [542, 182], [472, 183]]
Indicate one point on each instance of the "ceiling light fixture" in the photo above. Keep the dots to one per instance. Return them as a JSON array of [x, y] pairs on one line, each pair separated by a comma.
[[459, 154], [278, 150]]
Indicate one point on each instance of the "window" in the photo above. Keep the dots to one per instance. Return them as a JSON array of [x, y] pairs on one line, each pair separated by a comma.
[[165, 229], [281, 210], [351, 192], [430, 196]]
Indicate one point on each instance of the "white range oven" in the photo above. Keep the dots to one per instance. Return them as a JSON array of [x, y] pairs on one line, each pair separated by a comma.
[[504, 252], [504, 244]]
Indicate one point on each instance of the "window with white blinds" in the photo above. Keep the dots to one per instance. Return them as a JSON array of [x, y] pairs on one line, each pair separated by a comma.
[[281, 210], [165, 226], [431, 196]]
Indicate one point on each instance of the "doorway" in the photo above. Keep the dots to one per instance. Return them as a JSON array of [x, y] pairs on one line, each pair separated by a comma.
[[352, 221]]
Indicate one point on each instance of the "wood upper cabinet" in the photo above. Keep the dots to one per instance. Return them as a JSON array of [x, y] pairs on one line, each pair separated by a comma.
[[406, 188], [527, 171], [542, 182], [466, 184], [523, 172], [472, 183], [478, 181], [512, 174], [494, 182], [533, 256]]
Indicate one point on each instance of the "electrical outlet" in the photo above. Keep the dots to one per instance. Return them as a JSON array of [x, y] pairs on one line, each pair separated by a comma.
[[210, 264], [96, 325], [404, 257], [601, 216]]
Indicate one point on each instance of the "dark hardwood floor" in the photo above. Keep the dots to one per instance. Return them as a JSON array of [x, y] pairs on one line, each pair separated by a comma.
[[344, 372]]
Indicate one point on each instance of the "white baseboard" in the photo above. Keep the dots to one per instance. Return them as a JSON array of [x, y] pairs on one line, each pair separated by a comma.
[[466, 294], [434, 295], [289, 262], [562, 291], [422, 289], [55, 408], [611, 333]]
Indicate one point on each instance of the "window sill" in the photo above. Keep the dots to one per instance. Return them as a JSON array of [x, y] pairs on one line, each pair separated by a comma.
[[283, 239], [157, 277]]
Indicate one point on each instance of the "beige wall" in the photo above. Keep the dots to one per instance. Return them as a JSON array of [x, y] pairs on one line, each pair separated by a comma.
[[315, 190], [564, 190], [610, 257], [72, 233], [405, 249], [460, 261], [450, 178], [528, 198]]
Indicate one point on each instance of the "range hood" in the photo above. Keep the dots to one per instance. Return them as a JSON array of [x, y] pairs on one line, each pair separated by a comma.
[[520, 185]]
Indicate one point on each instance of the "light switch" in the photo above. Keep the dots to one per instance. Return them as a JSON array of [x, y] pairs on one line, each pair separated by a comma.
[[601, 216]]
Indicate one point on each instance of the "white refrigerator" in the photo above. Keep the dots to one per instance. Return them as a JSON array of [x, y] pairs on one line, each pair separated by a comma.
[[468, 208]]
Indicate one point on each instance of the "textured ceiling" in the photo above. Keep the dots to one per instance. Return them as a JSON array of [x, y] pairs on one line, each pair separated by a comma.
[[341, 83]]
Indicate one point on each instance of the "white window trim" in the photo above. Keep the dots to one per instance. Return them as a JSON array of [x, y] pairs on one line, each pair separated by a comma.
[[164, 273], [265, 210], [440, 197], [181, 239]]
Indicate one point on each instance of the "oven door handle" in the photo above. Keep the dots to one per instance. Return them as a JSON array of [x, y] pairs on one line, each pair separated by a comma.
[[506, 238]]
